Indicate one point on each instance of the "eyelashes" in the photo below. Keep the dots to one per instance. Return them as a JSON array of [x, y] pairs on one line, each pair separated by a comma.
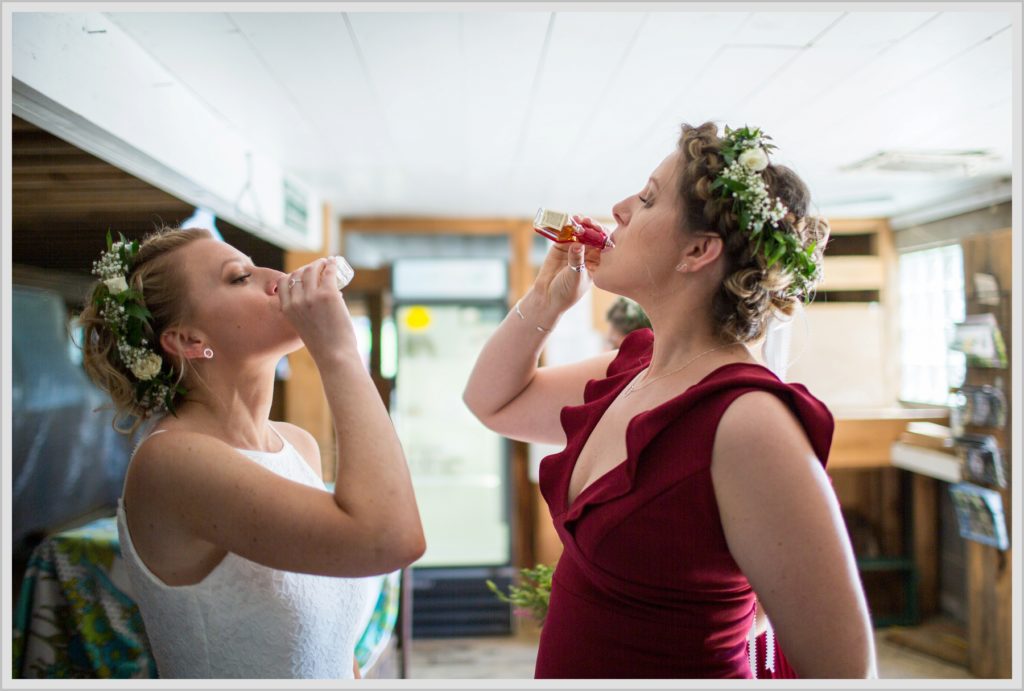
[[241, 279]]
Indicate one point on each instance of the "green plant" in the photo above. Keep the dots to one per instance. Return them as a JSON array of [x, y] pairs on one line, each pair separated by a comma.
[[532, 594]]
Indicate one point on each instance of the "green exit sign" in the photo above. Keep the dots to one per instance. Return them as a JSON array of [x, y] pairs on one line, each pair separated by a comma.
[[295, 211]]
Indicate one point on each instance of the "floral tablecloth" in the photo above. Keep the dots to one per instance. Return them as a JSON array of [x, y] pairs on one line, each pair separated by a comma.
[[74, 619]]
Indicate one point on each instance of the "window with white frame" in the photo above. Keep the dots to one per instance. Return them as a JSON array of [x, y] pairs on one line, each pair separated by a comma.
[[931, 301]]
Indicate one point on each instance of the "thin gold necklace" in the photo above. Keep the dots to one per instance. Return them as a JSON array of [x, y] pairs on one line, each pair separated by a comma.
[[647, 380]]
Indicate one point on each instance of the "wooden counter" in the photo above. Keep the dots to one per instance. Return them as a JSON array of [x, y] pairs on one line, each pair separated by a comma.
[[863, 437]]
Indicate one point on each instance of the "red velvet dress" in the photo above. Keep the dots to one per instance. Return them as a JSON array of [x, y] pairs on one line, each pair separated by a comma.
[[646, 586]]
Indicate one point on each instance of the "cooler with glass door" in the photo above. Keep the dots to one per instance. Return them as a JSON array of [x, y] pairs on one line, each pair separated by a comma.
[[444, 311]]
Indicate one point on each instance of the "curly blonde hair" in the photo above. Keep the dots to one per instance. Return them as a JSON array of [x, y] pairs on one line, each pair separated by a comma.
[[160, 281], [751, 292]]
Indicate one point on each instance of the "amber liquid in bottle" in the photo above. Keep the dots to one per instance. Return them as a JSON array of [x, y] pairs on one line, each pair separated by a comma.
[[561, 227]]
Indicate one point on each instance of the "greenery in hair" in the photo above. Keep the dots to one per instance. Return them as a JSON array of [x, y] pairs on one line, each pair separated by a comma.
[[745, 152], [124, 312]]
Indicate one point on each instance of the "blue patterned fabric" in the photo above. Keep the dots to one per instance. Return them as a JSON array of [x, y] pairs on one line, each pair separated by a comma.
[[73, 619]]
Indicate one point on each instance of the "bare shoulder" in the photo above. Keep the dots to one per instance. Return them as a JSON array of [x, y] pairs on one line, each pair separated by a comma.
[[168, 464], [175, 453], [759, 426], [303, 441]]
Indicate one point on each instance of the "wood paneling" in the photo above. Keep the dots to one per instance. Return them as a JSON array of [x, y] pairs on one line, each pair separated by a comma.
[[852, 320], [853, 273], [866, 443], [600, 302], [857, 226], [64, 200], [989, 571], [305, 403], [925, 513], [524, 499]]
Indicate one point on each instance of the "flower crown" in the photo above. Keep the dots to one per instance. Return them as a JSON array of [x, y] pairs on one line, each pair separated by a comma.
[[124, 311], [746, 154]]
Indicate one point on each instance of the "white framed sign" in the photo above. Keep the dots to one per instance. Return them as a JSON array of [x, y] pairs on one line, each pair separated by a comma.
[[449, 279]]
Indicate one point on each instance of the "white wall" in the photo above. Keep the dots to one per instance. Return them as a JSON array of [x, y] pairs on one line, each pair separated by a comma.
[[82, 78]]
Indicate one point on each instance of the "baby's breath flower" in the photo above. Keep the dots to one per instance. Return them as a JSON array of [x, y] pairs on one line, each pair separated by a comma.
[[760, 215], [125, 314]]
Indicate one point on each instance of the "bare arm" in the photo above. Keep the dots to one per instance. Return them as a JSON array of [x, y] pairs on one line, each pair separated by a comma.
[[374, 485], [785, 531], [370, 524], [517, 399], [506, 390], [201, 485]]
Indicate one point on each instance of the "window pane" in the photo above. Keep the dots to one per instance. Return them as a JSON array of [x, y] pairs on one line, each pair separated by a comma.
[[931, 301]]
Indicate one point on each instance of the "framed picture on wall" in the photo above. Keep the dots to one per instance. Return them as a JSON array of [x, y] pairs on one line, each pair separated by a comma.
[[979, 338], [979, 512], [981, 406], [982, 459]]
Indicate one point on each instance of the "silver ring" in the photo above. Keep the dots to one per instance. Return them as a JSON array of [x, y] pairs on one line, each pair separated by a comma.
[[578, 269], [293, 281]]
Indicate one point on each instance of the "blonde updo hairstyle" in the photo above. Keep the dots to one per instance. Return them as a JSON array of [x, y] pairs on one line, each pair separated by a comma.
[[160, 281], [751, 293]]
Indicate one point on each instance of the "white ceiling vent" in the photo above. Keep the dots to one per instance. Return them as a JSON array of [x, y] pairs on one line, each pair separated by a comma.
[[956, 162]]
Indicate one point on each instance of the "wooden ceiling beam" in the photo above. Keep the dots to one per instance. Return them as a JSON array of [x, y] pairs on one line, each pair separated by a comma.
[[57, 183], [63, 196], [86, 166]]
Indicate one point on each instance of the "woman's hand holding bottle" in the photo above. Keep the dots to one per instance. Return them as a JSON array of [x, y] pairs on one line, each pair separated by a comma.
[[311, 301], [563, 277]]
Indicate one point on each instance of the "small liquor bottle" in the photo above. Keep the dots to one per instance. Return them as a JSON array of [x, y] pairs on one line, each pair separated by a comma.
[[561, 227], [344, 270]]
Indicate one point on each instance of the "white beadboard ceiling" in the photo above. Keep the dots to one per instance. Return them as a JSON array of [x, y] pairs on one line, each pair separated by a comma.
[[496, 113]]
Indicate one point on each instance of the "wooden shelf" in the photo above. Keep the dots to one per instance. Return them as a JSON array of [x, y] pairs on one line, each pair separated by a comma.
[[941, 465], [853, 273]]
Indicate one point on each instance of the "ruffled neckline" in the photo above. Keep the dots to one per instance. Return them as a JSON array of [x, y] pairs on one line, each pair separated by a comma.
[[578, 422], [640, 429]]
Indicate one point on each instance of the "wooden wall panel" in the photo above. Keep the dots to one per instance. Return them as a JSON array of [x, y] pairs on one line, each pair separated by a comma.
[[305, 403], [989, 571], [853, 273], [524, 497]]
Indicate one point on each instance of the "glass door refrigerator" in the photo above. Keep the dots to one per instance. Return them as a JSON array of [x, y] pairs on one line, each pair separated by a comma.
[[444, 311]]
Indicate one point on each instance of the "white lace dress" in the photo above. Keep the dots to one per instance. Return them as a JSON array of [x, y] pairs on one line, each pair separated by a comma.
[[246, 620]]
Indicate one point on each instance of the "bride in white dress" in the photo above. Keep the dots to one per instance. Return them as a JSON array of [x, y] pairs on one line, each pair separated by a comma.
[[242, 562]]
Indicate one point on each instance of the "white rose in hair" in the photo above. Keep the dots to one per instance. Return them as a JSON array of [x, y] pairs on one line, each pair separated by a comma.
[[754, 159], [148, 367], [116, 285]]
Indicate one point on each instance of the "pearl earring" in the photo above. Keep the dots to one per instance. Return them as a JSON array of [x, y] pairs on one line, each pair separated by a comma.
[[207, 353], [682, 268]]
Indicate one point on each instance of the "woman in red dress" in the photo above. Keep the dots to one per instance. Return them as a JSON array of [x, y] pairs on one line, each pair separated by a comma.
[[691, 491]]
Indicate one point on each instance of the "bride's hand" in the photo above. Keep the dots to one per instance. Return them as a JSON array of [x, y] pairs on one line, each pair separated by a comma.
[[311, 301]]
